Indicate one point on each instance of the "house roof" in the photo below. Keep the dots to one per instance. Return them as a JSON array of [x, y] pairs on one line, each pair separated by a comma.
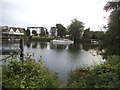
[[15, 29], [4, 27]]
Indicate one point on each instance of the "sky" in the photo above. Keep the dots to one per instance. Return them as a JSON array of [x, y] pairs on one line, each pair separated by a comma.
[[48, 13]]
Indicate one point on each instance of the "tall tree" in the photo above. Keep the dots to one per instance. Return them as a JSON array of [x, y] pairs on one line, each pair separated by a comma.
[[34, 32], [111, 42], [28, 32], [61, 30], [86, 33], [112, 5], [42, 32], [47, 33], [75, 29]]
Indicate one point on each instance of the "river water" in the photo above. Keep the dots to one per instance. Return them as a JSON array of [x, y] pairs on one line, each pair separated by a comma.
[[62, 58]]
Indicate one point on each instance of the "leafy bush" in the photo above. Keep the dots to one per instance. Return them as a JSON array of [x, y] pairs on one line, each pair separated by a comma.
[[28, 74], [106, 75]]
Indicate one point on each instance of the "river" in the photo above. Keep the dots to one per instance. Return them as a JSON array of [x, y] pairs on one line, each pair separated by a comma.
[[62, 58]]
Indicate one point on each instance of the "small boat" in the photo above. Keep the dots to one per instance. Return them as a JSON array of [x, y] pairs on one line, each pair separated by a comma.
[[62, 41], [94, 42]]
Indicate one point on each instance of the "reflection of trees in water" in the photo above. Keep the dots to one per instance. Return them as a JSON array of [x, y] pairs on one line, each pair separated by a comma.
[[34, 44], [43, 45], [10, 44], [28, 44], [52, 46], [58, 46], [11, 41], [61, 46], [75, 48], [74, 51], [86, 46]]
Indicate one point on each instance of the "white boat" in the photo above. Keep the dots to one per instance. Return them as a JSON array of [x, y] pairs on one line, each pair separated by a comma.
[[62, 41], [94, 42]]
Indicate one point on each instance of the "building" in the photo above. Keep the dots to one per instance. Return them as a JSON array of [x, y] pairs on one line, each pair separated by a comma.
[[37, 29], [17, 31], [11, 32], [4, 29], [53, 31]]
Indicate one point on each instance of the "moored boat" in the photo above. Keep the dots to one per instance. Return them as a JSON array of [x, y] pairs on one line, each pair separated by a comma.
[[62, 41]]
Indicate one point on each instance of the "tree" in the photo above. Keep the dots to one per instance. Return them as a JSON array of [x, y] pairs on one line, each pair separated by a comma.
[[86, 33], [112, 5], [61, 30], [34, 32], [111, 41], [75, 29], [42, 32], [47, 33], [28, 32]]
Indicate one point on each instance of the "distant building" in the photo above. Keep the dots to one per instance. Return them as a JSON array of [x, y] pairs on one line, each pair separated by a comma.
[[53, 31], [12, 30], [4, 29], [37, 29], [16, 31]]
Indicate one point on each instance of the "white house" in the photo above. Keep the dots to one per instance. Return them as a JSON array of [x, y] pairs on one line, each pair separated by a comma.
[[16, 31], [37, 29]]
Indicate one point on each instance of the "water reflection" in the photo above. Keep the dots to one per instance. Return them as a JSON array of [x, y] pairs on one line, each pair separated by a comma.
[[73, 48], [27, 44], [62, 58], [35, 44], [86, 46], [43, 45], [12, 44], [58, 46]]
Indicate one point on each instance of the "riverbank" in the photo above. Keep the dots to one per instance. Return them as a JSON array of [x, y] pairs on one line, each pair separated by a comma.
[[42, 39]]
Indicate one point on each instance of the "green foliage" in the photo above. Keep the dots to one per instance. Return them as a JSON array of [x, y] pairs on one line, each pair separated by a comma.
[[96, 35], [61, 30], [28, 32], [42, 33], [86, 33], [111, 41], [76, 28], [34, 32], [28, 74], [47, 33], [112, 5], [106, 75]]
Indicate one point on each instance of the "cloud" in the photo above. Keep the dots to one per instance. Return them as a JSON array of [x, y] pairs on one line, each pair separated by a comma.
[[49, 12]]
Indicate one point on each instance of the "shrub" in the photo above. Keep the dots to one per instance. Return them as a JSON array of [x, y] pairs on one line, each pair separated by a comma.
[[28, 74], [106, 75]]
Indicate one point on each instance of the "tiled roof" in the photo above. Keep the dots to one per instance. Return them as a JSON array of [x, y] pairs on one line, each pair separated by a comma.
[[15, 29], [4, 27]]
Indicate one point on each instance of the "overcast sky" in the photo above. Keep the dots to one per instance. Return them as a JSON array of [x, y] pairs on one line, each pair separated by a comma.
[[46, 13]]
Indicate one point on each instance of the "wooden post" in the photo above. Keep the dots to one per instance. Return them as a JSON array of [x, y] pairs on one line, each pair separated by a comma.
[[21, 48]]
